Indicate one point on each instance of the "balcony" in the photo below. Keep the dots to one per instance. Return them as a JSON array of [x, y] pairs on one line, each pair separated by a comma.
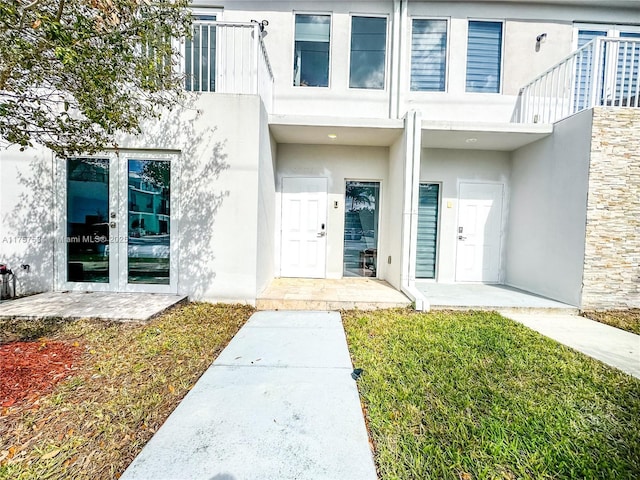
[[228, 57], [604, 72]]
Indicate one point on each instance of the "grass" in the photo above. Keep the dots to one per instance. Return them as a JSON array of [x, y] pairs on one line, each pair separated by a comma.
[[476, 396], [130, 379], [628, 320]]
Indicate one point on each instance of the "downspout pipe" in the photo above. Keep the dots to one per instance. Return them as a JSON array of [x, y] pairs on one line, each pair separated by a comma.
[[413, 132], [394, 91]]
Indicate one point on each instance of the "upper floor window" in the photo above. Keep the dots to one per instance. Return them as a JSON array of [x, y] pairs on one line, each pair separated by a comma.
[[200, 55], [428, 55], [484, 56], [311, 50], [368, 52]]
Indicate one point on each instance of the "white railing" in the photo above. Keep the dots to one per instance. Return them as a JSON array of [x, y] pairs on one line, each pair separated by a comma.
[[228, 57], [605, 71]]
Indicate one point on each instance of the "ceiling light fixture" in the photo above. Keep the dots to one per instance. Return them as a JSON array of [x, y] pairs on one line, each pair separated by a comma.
[[471, 140], [332, 136]]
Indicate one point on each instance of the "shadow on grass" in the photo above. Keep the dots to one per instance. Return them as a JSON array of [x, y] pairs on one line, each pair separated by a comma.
[[26, 330]]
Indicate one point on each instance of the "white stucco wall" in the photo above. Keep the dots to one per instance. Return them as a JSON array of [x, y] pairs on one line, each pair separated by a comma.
[[337, 99], [337, 164], [549, 178], [27, 217], [224, 200], [393, 214], [522, 61], [266, 206], [218, 219], [449, 168]]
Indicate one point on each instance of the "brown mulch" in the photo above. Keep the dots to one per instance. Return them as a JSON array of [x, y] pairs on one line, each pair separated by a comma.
[[31, 369]]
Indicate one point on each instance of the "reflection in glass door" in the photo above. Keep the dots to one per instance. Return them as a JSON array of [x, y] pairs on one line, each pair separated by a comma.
[[362, 204], [149, 215], [87, 236]]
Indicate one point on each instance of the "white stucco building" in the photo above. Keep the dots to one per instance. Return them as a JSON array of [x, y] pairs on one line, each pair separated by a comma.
[[478, 141]]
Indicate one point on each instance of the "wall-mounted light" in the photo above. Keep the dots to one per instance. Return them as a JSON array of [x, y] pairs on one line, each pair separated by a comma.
[[332, 136], [261, 24], [471, 140], [539, 39]]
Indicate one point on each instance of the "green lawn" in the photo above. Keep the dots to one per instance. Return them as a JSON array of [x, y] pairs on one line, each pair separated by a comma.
[[474, 395]]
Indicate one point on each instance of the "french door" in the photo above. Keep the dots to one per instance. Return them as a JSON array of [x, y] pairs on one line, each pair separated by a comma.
[[115, 224]]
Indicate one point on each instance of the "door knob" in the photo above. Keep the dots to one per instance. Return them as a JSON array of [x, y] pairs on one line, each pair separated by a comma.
[[321, 234], [460, 237], [112, 224]]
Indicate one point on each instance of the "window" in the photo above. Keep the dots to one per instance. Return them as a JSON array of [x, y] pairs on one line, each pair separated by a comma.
[[484, 56], [428, 55], [368, 51], [200, 55], [311, 51], [427, 230]]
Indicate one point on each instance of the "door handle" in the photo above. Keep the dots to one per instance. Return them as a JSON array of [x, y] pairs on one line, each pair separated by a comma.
[[112, 224], [460, 237], [321, 234]]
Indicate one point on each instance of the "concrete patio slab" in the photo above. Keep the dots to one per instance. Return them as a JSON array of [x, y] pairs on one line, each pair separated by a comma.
[[93, 305], [610, 345], [329, 294], [487, 297], [268, 408]]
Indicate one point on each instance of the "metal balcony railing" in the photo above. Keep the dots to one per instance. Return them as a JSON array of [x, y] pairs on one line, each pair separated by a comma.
[[228, 57], [604, 72]]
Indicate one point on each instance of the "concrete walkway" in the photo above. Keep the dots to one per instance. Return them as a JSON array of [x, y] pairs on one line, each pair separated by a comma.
[[610, 345], [278, 403]]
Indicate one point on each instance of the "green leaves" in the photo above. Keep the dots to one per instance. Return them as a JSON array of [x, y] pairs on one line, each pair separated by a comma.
[[73, 74]]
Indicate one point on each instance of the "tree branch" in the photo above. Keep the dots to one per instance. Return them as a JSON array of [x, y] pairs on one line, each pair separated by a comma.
[[60, 9]]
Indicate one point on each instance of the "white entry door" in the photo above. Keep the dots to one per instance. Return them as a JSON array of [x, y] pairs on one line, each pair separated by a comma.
[[304, 227], [479, 232]]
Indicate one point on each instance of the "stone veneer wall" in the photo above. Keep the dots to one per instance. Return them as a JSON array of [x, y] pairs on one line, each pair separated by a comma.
[[612, 246]]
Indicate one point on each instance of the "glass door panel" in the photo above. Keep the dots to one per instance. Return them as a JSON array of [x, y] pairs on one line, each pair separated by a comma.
[[87, 230], [362, 204], [149, 219]]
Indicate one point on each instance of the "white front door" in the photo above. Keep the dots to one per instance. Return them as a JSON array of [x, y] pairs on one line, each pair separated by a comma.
[[115, 223], [304, 227], [479, 232]]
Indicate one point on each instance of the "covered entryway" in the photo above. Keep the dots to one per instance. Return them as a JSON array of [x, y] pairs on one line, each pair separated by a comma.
[[479, 232], [304, 227]]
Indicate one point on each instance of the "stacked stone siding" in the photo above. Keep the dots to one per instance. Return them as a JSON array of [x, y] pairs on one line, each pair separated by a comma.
[[612, 245]]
